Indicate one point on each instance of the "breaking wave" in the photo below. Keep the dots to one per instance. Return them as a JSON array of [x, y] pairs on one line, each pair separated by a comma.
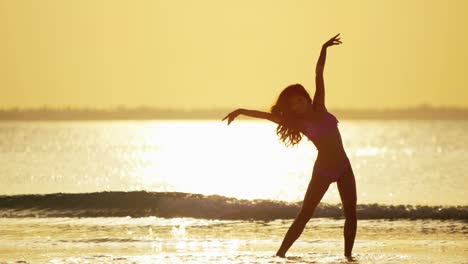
[[177, 204]]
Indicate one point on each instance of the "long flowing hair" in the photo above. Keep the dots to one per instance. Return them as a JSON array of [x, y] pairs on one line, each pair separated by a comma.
[[289, 128]]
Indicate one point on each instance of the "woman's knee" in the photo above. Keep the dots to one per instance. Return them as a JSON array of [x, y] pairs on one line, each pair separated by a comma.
[[304, 216], [350, 215]]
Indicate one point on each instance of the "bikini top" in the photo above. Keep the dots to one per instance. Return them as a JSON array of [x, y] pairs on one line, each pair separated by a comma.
[[314, 130]]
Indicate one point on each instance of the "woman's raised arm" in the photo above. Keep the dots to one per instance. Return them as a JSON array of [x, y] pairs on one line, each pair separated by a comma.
[[319, 97], [252, 113]]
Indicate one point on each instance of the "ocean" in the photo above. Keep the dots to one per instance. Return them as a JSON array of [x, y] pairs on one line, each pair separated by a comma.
[[200, 191]]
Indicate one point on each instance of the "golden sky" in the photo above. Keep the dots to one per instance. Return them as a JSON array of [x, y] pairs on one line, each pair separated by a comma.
[[242, 53]]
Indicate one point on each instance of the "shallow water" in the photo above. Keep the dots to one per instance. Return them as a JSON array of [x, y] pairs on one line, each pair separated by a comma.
[[152, 239]]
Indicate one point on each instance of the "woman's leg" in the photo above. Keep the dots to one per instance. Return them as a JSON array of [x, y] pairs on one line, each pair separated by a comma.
[[318, 185], [347, 188]]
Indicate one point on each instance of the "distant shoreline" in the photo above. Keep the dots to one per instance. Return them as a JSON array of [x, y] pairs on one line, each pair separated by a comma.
[[146, 113]]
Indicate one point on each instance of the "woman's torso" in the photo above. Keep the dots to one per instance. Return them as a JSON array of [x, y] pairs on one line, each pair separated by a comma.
[[326, 137]]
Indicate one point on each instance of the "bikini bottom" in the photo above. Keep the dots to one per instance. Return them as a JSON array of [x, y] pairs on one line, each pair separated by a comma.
[[335, 173]]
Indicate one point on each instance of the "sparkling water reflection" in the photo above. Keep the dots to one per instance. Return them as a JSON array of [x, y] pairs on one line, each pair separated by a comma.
[[395, 162]]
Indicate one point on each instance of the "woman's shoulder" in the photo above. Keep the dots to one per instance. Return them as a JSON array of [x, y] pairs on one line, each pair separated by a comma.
[[332, 116], [320, 117]]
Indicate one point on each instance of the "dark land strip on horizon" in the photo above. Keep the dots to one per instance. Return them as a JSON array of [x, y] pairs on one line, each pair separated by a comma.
[[148, 113]]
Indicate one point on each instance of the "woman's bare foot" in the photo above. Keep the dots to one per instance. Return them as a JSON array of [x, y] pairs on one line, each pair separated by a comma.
[[280, 255]]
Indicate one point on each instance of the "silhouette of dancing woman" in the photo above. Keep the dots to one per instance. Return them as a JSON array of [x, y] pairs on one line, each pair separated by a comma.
[[296, 113]]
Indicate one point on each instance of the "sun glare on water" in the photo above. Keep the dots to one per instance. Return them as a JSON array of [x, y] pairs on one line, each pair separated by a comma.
[[244, 159]]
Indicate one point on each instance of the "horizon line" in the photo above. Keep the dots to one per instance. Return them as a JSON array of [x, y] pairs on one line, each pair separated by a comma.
[[214, 108]]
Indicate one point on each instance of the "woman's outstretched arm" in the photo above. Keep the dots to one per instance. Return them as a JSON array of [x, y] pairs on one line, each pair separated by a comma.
[[319, 97], [252, 113]]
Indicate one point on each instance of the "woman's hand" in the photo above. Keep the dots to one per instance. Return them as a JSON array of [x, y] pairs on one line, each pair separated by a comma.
[[333, 41], [232, 115]]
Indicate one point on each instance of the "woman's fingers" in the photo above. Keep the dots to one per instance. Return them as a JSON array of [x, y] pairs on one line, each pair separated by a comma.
[[230, 117], [336, 35], [335, 38], [333, 41]]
